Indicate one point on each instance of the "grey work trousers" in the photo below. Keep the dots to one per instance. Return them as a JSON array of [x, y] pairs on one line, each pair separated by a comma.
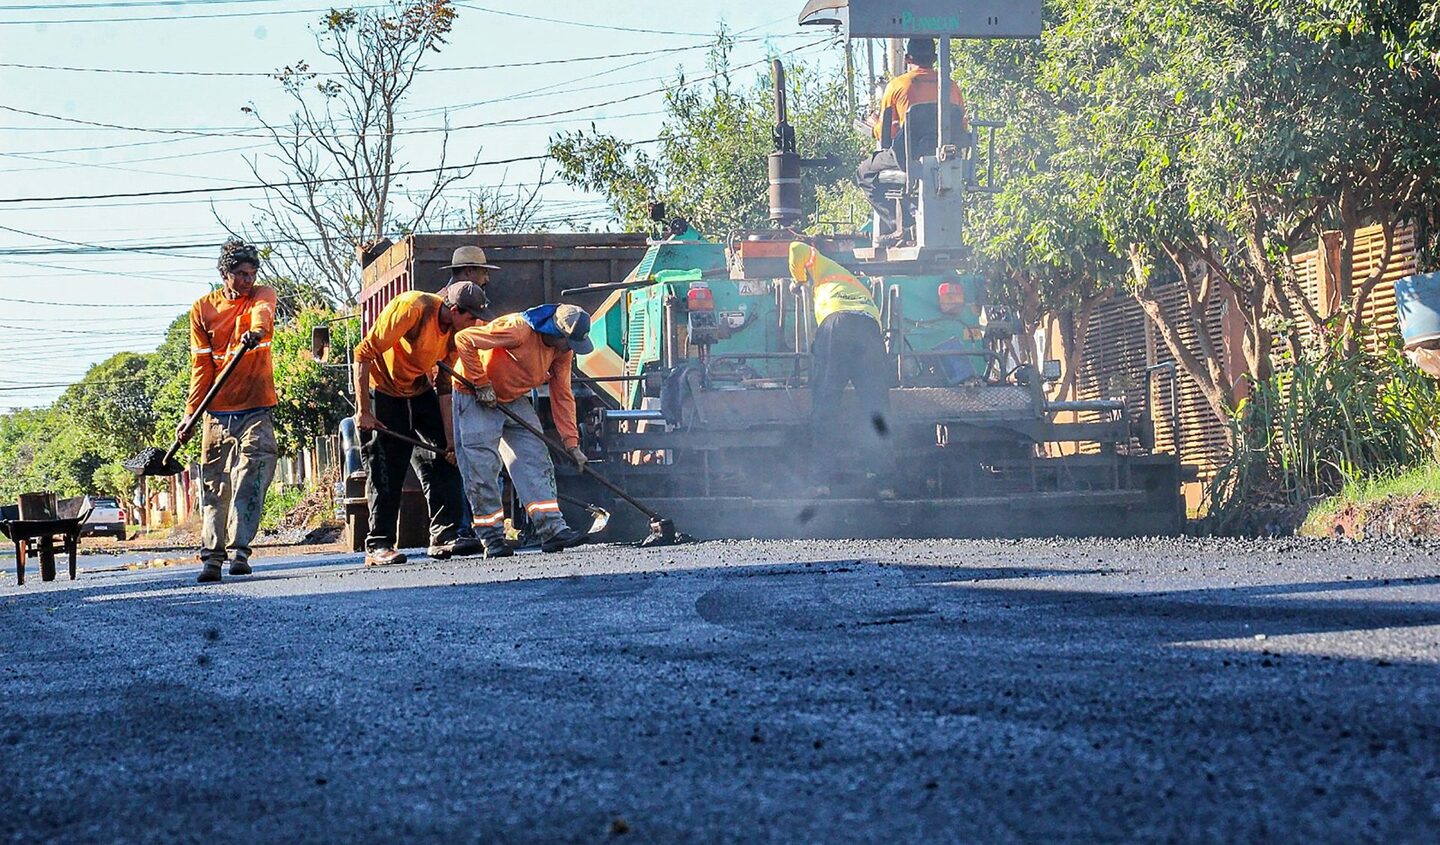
[[484, 440], [237, 462]]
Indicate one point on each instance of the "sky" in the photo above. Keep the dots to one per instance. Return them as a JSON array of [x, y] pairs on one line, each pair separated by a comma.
[[68, 64]]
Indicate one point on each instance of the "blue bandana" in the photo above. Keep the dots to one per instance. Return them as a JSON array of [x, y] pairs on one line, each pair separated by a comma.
[[541, 318]]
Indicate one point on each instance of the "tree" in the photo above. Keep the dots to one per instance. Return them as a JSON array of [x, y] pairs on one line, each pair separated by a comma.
[[167, 375], [113, 405], [313, 395], [1036, 241], [338, 166], [710, 166], [1217, 138], [40, 450], [1409, 29]]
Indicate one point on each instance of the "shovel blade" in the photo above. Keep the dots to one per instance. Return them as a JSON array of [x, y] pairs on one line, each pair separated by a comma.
[[152, 461], [602, 519], [662, 533]]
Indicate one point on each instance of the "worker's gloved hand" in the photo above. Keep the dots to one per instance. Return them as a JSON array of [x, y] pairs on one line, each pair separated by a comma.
[[184, 429], [796, 288], [579, 455], [250, 339], [366, 421], [486, 396]]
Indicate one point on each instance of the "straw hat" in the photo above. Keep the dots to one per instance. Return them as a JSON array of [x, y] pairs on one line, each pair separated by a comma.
[[469, 256]]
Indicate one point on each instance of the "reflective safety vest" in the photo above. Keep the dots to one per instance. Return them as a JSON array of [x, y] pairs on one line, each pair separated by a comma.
[[836, 290]]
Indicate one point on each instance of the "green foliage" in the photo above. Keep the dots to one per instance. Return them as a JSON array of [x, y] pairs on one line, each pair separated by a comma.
[[313, 396], [280, 500], [39, 450], [711, 163], [134, 400], [1410, 29], [112, 405], [1422, 481], [1324, 422], [167, 374]]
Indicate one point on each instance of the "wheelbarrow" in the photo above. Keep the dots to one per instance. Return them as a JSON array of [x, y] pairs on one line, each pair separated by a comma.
[[43, 527]]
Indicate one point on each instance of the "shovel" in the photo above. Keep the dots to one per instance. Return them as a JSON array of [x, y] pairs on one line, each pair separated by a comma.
[[153, 461], [416, 442], [662, 530], [600, 516]]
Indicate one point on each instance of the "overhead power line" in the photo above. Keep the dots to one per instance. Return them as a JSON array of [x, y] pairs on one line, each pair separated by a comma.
[[267, 185], [447, 168], [96, 304], [180, 17], [122, 4], [505, 66], [583, 24], [249, 131], [598, 118]]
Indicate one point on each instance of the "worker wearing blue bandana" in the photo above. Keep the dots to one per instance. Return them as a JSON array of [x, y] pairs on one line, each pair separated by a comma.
[[506, 359]]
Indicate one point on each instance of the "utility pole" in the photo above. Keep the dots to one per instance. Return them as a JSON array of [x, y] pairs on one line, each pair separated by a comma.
[[869, 69], [849, 78]]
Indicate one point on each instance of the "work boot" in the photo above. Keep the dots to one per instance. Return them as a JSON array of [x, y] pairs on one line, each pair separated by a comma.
[[384, 557], [240, 567], [458, 547], [209, 574], [497, 547], [568, 538]]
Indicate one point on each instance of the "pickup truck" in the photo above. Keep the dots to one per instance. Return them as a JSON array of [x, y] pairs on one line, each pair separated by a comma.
[[107, 517]]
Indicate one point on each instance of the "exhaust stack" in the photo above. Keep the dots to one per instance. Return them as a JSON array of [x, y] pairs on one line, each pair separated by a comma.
[[784, 161]]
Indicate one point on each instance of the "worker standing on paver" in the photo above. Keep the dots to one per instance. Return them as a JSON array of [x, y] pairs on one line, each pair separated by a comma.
[[238, 451], [506, 359], [394, 392], [917, 86], [848, 349]]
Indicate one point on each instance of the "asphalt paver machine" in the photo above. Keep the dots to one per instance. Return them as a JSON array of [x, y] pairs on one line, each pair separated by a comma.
[[701, 365]]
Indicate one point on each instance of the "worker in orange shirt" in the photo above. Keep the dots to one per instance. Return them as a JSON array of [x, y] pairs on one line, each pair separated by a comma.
[[506, 359], [394, 392], [917, 86], [238, 451]]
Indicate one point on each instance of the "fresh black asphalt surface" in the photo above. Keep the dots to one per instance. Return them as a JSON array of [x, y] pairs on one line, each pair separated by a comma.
[[916, 691]]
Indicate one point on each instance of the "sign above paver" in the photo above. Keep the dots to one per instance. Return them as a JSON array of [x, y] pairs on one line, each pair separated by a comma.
[[934, 18]]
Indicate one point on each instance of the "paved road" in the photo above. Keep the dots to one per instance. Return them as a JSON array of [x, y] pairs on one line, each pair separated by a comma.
[[797, 692]]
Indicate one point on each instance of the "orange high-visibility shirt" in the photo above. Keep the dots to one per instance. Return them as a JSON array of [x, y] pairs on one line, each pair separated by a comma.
[[912, 88], [508, 355], [405, 344], [216, 324]]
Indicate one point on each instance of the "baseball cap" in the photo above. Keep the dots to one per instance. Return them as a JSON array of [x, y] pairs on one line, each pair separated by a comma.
[[575, 323], [466, 296]]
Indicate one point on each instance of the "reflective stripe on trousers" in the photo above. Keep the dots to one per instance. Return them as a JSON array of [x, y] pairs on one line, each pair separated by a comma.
[[485, 440]]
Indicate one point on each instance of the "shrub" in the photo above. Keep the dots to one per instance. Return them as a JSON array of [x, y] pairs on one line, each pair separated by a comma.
[[1321, 423]]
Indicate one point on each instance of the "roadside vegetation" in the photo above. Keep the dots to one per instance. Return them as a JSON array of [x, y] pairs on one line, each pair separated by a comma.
[[1405, 504]]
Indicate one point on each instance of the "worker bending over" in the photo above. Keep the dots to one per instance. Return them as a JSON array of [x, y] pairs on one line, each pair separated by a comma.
[[505, 359], [394, 392], [237, 451], [848, 349], [917, 86]]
